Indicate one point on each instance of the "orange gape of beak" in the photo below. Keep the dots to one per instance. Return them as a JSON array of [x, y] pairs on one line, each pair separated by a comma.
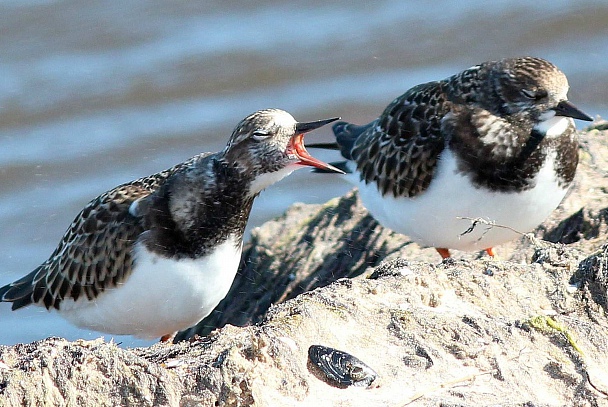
[[296, 147]]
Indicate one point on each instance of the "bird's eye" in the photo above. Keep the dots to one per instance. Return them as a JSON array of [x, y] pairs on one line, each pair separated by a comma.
[[534, 95], [260, 135], [528, 93]]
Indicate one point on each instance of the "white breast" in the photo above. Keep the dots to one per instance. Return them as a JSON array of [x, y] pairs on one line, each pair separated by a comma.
[[161, 295], [554, 126], [432, 219]]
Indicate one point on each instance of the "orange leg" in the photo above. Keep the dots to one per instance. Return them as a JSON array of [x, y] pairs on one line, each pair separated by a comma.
[[444, 253], [491, 251]]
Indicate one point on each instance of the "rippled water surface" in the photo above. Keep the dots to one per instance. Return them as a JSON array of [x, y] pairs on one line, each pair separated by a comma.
[[96, 93]]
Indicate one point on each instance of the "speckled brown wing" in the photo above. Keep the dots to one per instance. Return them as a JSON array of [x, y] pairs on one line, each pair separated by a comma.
[[95, 252], [400, 152]]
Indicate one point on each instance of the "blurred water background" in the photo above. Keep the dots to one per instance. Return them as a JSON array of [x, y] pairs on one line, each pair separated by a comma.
[[96, 93]]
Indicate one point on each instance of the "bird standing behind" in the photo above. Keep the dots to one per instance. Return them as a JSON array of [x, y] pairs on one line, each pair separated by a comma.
[[156, 255], [496, 141]]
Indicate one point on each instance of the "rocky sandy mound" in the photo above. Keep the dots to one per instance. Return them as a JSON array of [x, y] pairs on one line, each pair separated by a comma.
[[530, 328]]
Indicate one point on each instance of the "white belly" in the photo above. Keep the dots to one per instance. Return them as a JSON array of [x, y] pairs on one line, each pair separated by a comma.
[[160, 296], [432, 219]]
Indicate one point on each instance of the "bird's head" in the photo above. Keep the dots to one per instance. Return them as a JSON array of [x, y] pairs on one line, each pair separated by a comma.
[[269, 144], [532, 87]]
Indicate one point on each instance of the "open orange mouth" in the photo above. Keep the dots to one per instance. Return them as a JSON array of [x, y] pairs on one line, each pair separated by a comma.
[[296, 148]]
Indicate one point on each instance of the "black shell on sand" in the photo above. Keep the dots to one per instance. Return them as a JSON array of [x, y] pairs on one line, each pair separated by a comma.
[[341, 367]]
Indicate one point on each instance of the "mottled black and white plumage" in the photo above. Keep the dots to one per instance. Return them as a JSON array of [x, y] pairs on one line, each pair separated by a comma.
[[496, 141], [157, 254]]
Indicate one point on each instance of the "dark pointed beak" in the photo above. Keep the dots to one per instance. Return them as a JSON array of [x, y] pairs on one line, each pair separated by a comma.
[[567, 109], [296, 145], [302, 128]]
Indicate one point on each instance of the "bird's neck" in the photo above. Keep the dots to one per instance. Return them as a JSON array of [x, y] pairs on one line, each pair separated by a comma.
[[265, 179], [258, 174]]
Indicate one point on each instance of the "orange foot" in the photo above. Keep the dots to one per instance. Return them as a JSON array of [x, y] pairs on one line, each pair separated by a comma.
[[491, 252], [444, 253], [168, 339]]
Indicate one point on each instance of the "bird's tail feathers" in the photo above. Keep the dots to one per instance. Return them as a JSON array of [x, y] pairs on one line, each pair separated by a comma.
[[346, 136], [19, 292]]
